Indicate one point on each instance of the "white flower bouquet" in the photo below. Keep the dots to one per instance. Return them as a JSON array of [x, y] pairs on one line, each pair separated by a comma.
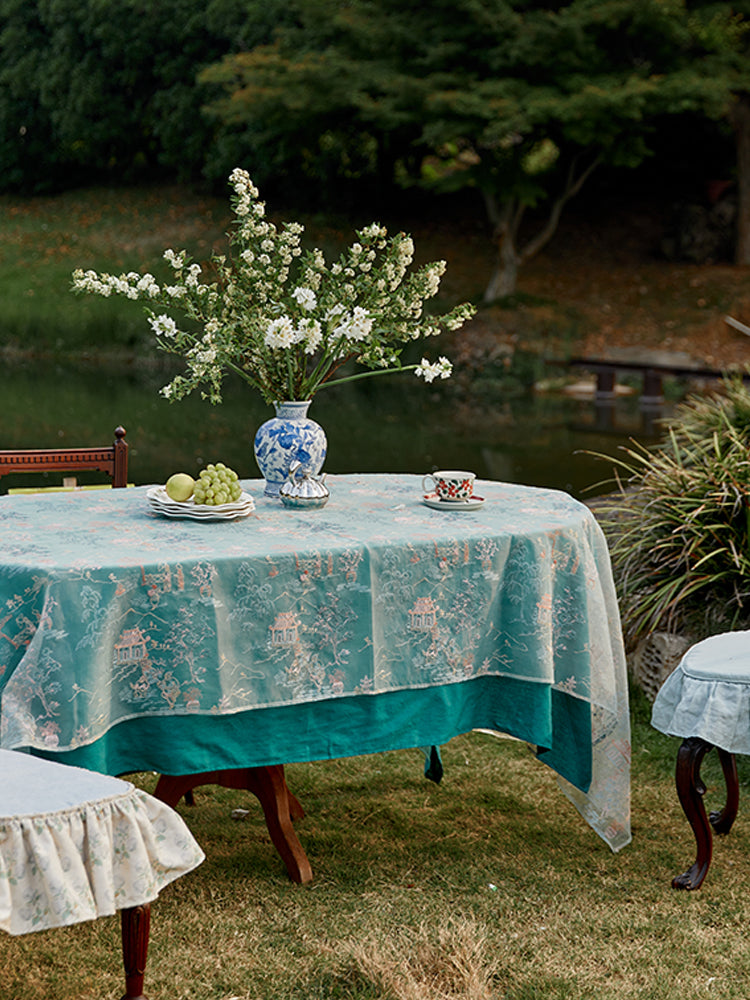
[[279, 315]]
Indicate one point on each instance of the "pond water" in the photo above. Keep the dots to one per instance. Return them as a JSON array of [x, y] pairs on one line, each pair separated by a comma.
[[388, 424]]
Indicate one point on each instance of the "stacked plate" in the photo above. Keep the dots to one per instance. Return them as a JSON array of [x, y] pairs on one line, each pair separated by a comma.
[[160, 503]]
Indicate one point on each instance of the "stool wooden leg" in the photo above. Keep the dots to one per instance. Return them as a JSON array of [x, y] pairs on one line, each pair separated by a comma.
[[136, 922], [690, 790], [722, 821]]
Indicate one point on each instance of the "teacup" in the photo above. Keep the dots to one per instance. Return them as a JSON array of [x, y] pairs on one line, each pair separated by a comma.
[[450, 486]]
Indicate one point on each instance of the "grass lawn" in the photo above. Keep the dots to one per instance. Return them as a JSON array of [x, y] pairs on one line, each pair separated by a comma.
[[42, 240], [487, 886], [599, 284]]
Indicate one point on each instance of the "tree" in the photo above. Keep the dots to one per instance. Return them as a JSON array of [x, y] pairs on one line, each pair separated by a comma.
[[92, 88], [518, 99], [740, 117]]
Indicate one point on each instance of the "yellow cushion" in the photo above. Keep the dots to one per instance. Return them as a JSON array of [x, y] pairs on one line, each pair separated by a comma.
[[62, 489]]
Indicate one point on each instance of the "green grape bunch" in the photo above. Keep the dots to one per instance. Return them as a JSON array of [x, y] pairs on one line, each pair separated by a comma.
[[217, 485]]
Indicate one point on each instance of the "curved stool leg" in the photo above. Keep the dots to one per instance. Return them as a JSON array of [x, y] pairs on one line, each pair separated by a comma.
[[135, 923], [690, 790], [722, 821]]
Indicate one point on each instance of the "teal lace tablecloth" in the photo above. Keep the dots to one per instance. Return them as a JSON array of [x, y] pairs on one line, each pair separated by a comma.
[[129, 641]]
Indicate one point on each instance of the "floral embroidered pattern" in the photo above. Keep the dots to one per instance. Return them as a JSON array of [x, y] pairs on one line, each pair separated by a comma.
[[126, 614]]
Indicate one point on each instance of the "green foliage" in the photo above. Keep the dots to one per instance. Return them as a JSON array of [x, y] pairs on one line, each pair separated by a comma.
[[96, 88], [679, 531], [320, 97], [392, 84], [477, 94]]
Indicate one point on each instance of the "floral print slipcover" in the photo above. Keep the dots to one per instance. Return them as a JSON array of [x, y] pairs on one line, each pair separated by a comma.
[[76, 845]]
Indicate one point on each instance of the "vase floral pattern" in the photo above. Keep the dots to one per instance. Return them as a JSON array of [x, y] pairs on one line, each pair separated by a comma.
[[290, 435]]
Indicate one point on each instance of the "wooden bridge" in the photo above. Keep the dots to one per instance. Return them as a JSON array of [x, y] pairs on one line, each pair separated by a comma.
[[653, 372]]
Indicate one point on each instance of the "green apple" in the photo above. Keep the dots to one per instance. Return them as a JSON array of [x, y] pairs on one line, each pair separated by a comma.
[[180, 487]]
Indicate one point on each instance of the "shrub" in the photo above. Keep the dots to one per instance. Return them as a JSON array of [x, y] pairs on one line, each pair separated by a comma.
[[679, 525]]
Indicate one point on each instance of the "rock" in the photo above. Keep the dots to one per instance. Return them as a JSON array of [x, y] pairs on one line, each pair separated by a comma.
[[654, 659]]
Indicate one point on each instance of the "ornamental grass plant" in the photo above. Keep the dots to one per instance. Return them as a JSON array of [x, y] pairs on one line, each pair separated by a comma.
[[678, 526]]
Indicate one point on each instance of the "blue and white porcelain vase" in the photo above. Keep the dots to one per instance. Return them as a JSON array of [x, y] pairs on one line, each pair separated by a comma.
[[289, 436]]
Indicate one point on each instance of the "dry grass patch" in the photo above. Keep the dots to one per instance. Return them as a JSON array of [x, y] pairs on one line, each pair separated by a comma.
[[454, 962]]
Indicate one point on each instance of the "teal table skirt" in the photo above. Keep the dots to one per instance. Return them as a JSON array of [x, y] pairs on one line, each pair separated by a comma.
[[558, 724]]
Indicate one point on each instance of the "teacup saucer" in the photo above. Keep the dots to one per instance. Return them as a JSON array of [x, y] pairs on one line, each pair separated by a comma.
[[432, 500]]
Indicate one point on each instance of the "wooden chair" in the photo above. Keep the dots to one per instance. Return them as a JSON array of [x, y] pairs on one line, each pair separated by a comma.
[[112, 460]]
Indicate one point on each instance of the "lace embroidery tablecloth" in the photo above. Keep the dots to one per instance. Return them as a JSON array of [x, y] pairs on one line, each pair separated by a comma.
[[110, 613], [76, 845]]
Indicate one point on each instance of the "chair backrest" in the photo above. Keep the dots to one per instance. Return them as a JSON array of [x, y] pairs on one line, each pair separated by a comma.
[[112, 460]]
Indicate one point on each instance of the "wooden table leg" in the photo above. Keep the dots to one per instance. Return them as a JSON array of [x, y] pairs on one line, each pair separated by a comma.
[[690, 790], [268, 784], [135, 922]]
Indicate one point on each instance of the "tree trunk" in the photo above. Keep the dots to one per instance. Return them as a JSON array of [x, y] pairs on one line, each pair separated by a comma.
[[741, 122], [504, 278], [506, 221]]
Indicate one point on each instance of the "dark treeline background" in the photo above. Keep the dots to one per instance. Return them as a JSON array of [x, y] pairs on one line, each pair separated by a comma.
[[329, 103], [94, 90]]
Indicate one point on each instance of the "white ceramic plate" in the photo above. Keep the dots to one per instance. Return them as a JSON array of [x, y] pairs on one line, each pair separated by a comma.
[[160, 502], [432, 500], [188, 515]]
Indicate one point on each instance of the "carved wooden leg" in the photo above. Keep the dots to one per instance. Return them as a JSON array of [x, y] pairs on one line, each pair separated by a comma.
[[722, 821], [268, 784], [135, 921], [296, 809], [170, 788], [690, 790]]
